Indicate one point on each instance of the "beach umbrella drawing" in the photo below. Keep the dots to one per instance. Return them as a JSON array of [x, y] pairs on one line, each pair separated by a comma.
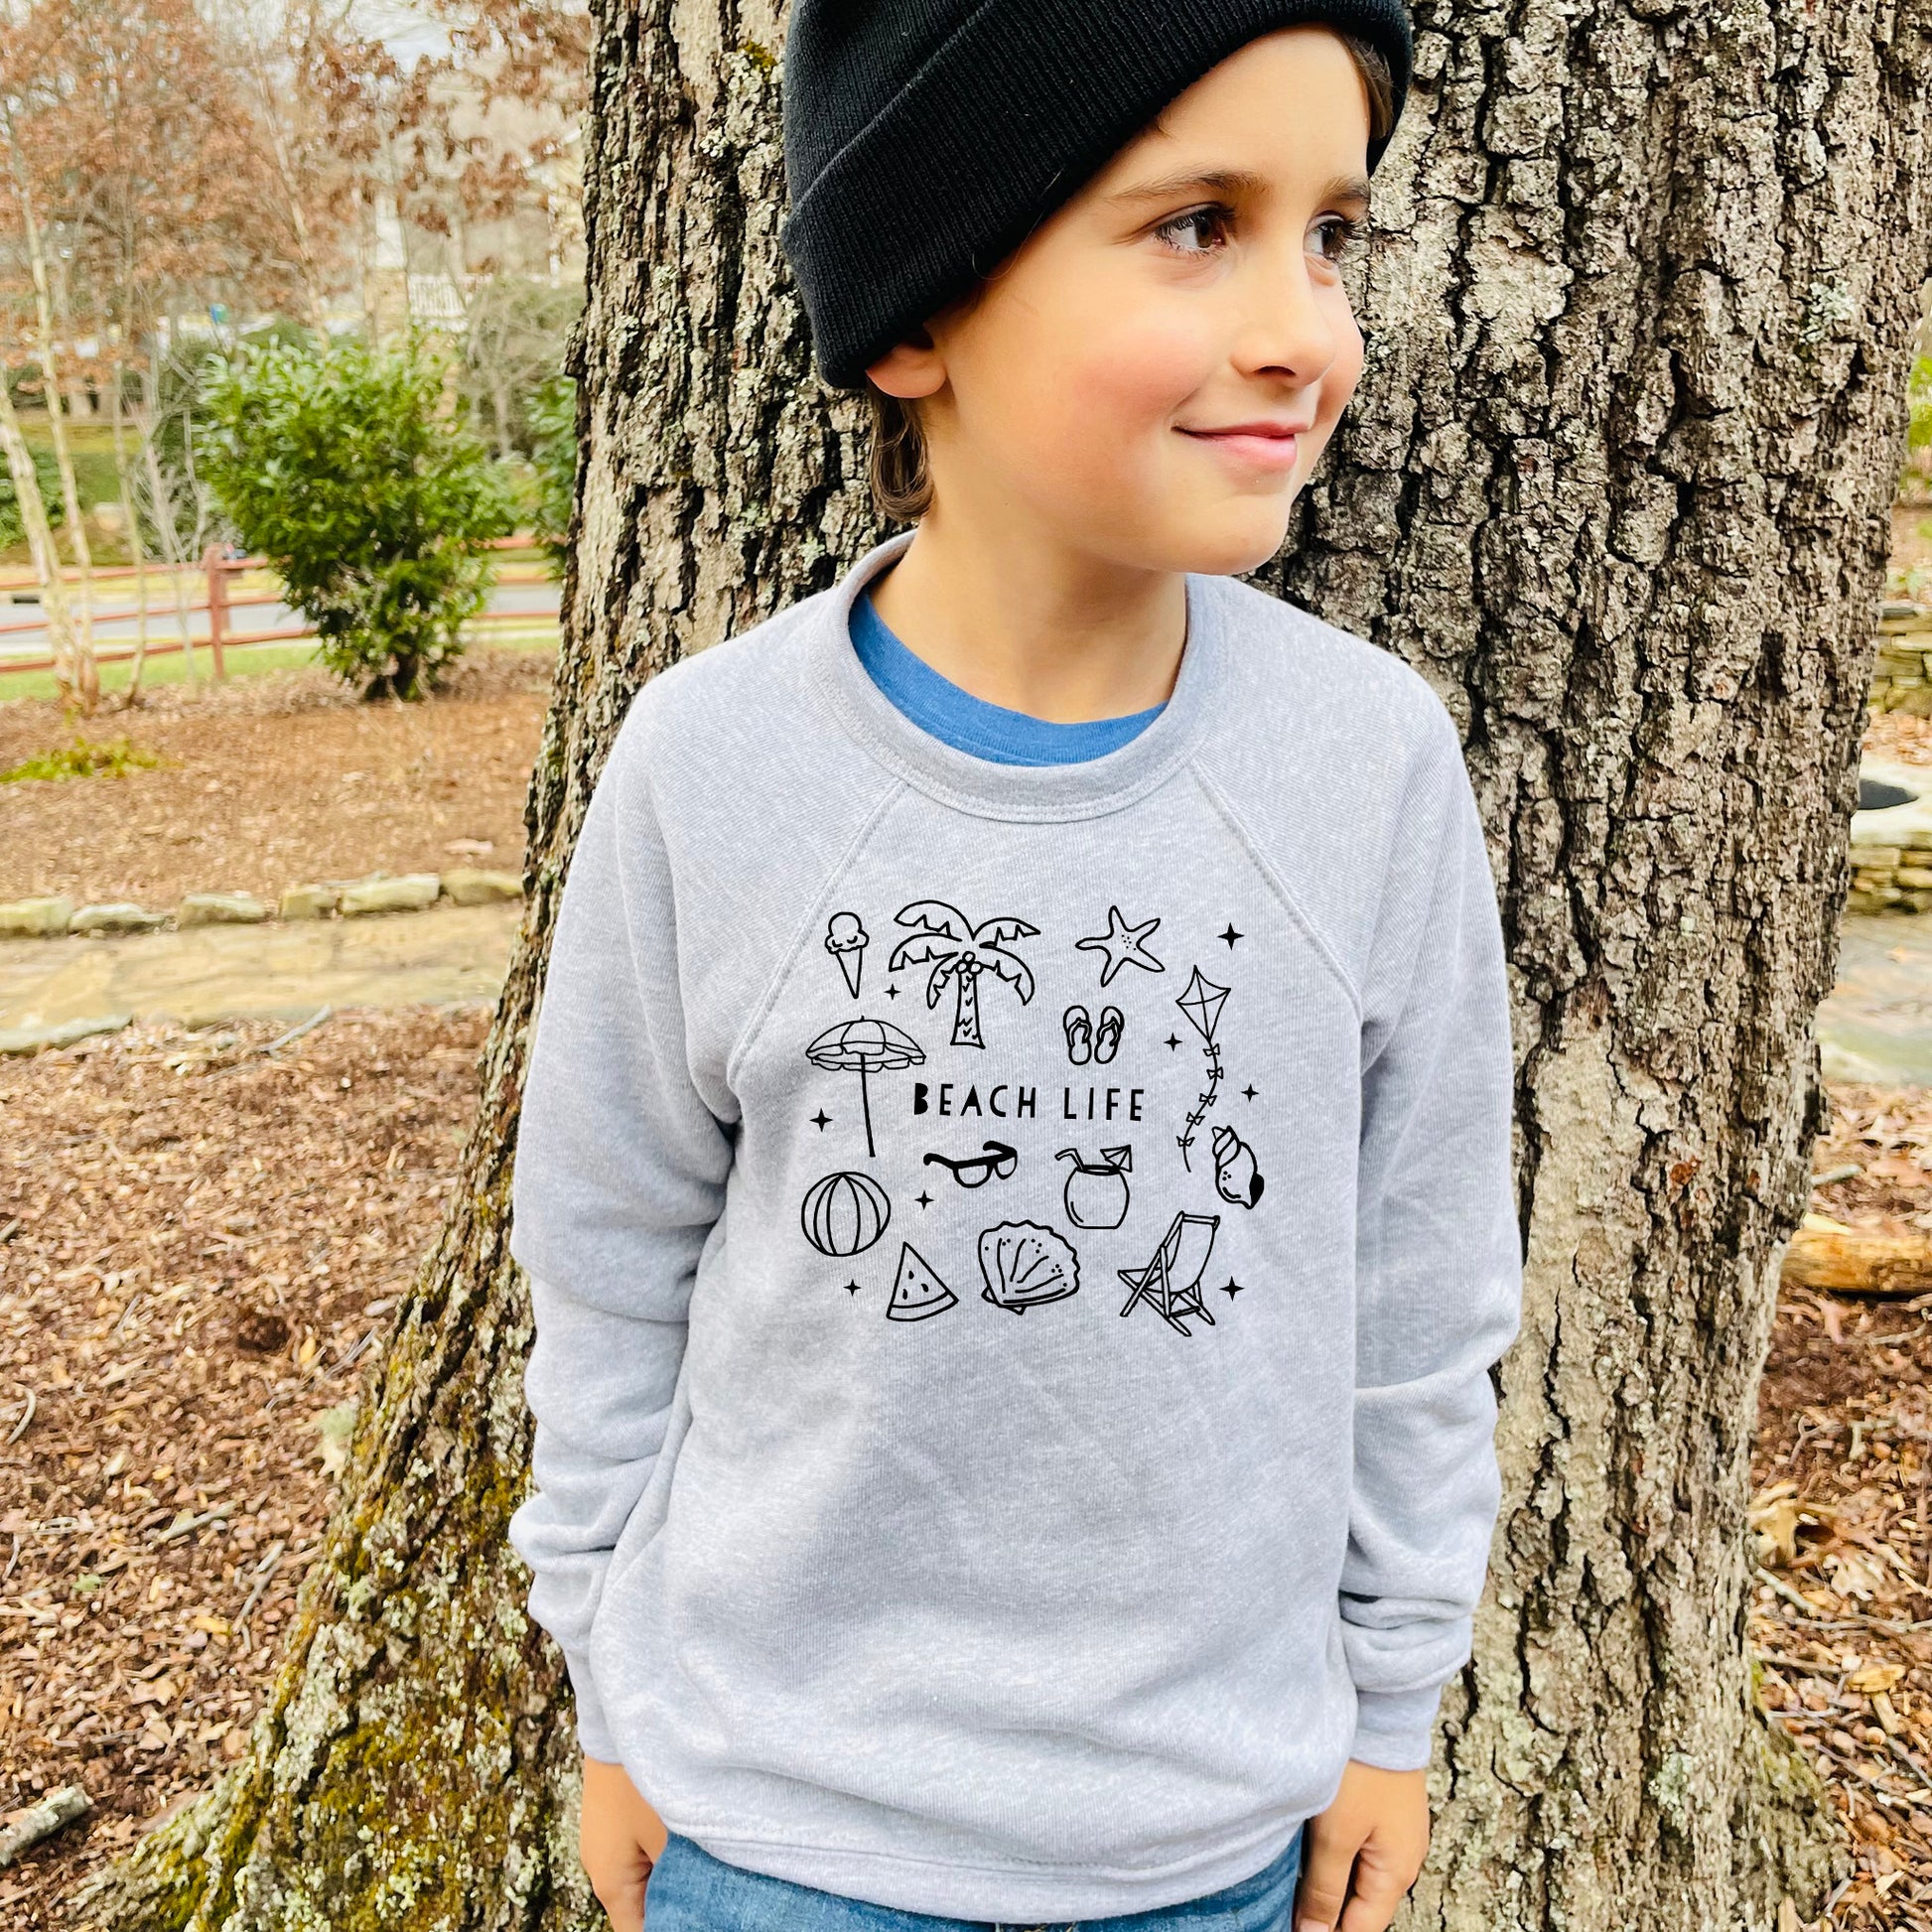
[[864, 1047]]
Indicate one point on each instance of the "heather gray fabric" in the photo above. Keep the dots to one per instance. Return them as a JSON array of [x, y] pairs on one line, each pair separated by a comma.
[[936, 1505]]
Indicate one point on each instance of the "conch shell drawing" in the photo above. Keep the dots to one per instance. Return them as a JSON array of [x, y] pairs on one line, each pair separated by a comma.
[[1236, 1177]]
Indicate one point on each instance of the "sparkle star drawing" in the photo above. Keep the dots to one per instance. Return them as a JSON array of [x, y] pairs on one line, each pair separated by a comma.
[[1230, 935], [821, 1120], [1231, 1288], [1124, 945]]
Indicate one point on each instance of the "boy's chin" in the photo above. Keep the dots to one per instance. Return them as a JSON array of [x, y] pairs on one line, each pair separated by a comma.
[[1234, 538]]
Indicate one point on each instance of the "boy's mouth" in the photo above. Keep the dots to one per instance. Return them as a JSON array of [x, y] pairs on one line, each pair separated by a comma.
[[1261, 443]]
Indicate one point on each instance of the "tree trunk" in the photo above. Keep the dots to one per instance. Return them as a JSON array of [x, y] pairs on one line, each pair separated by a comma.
[[1619, 484], [88, 679], [137, 548], [1618, 481], [68, 668], [160, 500]]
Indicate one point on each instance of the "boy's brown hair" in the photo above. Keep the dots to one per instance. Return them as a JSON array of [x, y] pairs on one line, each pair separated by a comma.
[[902, 484]]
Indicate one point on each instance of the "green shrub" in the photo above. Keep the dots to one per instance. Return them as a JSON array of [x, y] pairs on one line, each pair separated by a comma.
[[12, 529], [82, 760], [345, 466], [1914, 476]]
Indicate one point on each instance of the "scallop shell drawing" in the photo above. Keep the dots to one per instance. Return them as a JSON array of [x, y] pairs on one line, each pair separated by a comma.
[[1026, 1264]]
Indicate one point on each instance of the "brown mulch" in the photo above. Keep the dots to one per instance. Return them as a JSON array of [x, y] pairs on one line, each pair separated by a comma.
[[275, 781], [1842, 1619], [201, 1245], [202, 1248]]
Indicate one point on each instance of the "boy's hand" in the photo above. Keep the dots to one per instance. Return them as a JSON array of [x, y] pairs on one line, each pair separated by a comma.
[[1378, 1827], [618, 1837]]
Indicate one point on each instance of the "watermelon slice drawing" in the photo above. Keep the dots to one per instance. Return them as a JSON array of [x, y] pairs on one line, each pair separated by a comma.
[[917, 1291]]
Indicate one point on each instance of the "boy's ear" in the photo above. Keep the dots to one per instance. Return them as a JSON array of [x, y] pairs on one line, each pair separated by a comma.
[[909, 368]]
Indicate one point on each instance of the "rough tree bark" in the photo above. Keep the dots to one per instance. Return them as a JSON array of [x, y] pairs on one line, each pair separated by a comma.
[[1618, 481]]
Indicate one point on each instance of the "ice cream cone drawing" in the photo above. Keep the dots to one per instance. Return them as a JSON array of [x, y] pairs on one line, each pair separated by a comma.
[[1201, 1003], [846, 940], [960, 951]]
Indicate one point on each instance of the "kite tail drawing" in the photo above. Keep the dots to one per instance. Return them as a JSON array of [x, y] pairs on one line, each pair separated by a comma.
[[1201, 1003]]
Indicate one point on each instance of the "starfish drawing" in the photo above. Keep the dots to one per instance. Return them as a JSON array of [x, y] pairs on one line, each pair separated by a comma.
[[1124, 945]]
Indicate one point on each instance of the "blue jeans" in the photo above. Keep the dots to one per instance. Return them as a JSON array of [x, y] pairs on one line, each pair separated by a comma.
[[691, 1891]]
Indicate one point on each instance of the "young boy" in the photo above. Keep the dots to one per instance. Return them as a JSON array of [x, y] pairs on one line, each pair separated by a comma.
[[1015, 1173]]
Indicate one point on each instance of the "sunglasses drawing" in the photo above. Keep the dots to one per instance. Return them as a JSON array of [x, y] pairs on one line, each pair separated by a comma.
[[975, 1169]]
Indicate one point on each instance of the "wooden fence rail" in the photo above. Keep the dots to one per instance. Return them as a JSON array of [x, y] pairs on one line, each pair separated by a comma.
[[217, 602]]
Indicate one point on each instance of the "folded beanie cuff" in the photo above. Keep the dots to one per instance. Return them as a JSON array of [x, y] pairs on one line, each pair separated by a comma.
[[1007, 118]]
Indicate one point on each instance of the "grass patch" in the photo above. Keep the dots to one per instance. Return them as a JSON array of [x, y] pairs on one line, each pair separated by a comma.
[[111, 759], [247, 660]]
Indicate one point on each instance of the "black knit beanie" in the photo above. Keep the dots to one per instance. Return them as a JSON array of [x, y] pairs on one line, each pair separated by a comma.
[[925, 139]]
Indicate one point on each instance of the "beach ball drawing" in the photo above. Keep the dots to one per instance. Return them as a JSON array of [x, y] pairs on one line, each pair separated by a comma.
[[845, 1213]]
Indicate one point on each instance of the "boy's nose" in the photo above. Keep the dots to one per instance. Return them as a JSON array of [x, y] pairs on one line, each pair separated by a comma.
[[1284, 327]]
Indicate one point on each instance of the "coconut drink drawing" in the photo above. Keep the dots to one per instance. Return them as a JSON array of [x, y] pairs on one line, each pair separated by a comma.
[[1095, 1195], [846, 940], [865, 1048], [962, 952], [1203, 1003]]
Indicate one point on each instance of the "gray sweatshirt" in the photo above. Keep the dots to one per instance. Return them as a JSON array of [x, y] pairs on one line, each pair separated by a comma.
[[1016, 1255]]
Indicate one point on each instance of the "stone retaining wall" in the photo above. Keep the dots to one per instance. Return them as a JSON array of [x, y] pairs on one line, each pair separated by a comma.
[[1892, 845], [349, 899], [1901, 674]]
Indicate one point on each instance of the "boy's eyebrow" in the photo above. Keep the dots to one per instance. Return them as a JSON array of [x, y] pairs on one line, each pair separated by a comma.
[[1236, 180]]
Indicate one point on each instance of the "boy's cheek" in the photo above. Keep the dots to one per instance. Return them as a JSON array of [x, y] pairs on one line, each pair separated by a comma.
[[1114, 400]]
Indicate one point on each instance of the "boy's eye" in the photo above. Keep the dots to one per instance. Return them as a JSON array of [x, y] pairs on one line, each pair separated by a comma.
[[1210, 222], [1344, 230]]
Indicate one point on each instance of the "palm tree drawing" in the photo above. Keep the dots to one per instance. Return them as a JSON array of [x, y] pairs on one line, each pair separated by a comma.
[[960, 951]]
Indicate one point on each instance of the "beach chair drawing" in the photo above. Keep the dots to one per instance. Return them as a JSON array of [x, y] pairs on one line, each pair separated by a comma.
[[1171, 1279]]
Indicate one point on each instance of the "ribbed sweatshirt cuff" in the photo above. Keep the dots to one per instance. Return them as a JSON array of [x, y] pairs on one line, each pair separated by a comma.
[[593, 1734], [1394, 1730]]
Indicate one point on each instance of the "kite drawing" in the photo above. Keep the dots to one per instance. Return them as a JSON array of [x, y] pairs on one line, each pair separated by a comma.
[[846, 941], [1124, 945], [1201, 1003], [1236, 1177], [1097, 1190], [960, 951], [864, 1047]]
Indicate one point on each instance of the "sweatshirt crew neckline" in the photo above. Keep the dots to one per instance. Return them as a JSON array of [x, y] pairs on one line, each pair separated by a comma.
[[953, 714], [987, 787]]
